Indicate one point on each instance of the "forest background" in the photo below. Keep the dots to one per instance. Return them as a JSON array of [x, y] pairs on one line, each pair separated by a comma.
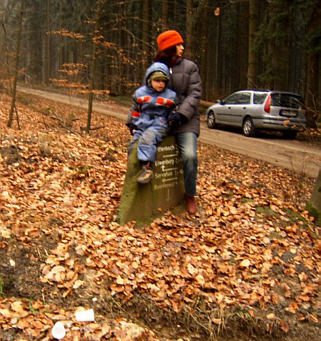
[[106, 46], [246, 267]]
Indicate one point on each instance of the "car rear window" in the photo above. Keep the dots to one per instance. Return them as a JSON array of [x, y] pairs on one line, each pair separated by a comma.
[[259, 98], [287, 101]]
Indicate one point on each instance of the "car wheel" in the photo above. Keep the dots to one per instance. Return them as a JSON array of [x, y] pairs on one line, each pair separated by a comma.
[[211, 120], [290, 134], [248, 127]]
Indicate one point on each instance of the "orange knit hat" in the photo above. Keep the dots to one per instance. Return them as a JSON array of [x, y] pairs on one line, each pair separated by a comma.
[[168, 39]]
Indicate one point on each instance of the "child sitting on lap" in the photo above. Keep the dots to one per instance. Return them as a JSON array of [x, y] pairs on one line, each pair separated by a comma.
[[148, 118]]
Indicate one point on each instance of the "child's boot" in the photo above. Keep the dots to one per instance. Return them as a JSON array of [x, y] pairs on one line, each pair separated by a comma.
[[146, 174]]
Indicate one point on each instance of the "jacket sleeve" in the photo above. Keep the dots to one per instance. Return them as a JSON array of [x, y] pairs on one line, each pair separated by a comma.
[[134, 112], [173, 107], [190, 104]]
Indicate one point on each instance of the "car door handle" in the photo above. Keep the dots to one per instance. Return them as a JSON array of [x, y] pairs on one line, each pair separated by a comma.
[[244, 108]]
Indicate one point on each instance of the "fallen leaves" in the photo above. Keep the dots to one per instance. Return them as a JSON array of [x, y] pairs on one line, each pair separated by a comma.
[[56, 274], [34, 325], [248, 246]]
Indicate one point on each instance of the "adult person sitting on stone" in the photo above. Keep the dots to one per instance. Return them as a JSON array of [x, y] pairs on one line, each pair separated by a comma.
[[148, 118], [185, 80]]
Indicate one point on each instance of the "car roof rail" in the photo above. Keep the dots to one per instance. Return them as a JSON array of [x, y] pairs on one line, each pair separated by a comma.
[[257, 89]]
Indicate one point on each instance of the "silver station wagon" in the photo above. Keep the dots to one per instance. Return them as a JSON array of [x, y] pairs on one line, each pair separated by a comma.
[[259, 110]]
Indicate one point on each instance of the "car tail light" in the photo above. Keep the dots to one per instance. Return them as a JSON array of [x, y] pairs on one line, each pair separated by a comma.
[[267, 105]]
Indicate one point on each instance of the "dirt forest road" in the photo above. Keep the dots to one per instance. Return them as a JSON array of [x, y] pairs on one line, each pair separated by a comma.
[[292, 154]]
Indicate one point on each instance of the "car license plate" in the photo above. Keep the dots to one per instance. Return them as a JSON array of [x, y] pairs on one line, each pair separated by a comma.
[[288, 113]]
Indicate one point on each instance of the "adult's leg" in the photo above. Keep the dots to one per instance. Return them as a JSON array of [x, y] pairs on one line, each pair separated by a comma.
[[187, 145]]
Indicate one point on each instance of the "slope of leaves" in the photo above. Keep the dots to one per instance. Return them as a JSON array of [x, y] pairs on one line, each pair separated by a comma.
[[251, 255]]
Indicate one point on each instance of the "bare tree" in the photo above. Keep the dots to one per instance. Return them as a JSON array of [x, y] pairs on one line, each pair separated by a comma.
[[164, 14], [252, 60], [189, 27], [313, 85], [16, 70], [46, 68]]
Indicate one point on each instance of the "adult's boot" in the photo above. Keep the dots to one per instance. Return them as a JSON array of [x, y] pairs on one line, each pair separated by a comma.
[[191, 205]]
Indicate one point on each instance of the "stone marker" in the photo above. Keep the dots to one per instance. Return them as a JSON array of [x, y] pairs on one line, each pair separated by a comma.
[[314, 206], [142, 202]]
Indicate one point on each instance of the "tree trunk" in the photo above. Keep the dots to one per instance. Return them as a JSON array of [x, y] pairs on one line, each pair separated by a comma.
[[46, 64], [164, 15], [218, 52], [243, 48], [252, 61], [91, 87], [146, 32], [189, 28], [313, 66], [312, 84], [204, 44], [16, 70]]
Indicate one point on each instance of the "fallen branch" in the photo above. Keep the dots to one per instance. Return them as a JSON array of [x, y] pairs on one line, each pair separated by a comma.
[[62, 123]]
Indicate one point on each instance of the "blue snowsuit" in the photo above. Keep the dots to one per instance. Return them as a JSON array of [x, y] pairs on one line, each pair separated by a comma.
[[149, 114]]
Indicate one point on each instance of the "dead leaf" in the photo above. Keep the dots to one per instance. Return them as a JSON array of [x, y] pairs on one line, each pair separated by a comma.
[[245, 263], [217, 321], [284, 326], [292, 308], [56, 274], [18, 309], [200, 279], [313, 318], [191, 269]]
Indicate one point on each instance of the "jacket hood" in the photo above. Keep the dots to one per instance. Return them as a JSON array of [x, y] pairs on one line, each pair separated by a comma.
[[157, 66]]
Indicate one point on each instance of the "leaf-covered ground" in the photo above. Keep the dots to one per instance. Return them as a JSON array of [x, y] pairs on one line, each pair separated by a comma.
[[247, 266]]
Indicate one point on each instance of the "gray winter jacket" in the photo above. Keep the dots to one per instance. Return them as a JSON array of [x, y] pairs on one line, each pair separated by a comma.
[[186, 82]]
